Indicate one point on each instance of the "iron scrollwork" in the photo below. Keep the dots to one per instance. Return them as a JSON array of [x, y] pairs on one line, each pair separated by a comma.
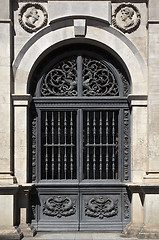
[[59, 207], [61, 80], [100, 207], [98, 80]]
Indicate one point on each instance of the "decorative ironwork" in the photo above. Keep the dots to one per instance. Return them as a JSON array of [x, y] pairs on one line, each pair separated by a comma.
[[33, 149], [98, 80], [32, 17], [125, 84], [61, 80], [58, 159], [126, 18], [100, 151], [126, 145], [59, 207], [126, 207], [100, 207]]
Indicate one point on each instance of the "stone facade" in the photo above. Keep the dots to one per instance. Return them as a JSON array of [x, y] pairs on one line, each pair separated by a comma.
[[32, 29]]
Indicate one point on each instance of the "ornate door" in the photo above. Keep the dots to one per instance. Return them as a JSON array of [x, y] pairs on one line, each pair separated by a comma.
[[80, 144]]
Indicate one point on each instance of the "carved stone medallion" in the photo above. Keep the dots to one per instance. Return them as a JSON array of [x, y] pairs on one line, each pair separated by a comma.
[[32, 17], [59, 207], [126, 18], [100, 207]]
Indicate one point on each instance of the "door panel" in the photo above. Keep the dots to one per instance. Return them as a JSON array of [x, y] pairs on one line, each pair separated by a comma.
[[58, 209], [82, 208]]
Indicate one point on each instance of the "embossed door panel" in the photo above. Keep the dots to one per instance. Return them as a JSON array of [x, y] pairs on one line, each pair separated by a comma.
[[80, 144], [104, 209], [58, 209]]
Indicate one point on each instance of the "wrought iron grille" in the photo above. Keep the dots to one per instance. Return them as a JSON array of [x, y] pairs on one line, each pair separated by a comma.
[[58, 145], [100, 145], [80, 76]]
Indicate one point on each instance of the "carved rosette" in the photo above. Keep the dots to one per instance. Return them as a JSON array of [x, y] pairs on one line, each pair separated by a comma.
[[59, 207], [32, 17], [126, 18], [126, 145], [101, 208]]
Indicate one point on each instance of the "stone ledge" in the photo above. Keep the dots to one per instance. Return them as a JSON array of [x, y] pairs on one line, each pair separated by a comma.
[[21, 99], [9, 189], [137, 100], [143, 188]]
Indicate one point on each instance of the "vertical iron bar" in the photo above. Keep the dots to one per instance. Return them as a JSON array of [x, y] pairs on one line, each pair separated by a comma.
[[113, 150], [88, 133], [59, 157], [52, 158], [71, 155], [79, 76], [100, 157], [94, 148], [107, 133], [65, 139], [46, 153]]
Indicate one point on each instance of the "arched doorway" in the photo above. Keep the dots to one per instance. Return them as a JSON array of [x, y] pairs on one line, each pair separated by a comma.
[[79, 141]]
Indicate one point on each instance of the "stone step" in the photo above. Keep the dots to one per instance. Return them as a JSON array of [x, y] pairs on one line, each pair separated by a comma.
[[79, 236]]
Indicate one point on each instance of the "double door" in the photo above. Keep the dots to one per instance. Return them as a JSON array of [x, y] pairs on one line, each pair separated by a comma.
[[80, 167]]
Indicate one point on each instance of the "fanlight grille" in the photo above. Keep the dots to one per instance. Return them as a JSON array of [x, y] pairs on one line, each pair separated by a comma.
[[78, 75]]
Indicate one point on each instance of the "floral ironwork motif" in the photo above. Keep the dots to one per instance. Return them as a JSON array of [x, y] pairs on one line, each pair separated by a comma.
[[100, 207], [61, 80], [98, 80], [32, 17], [125, 85], [59, 207], [126, 18], [33, 148], [126, 145]]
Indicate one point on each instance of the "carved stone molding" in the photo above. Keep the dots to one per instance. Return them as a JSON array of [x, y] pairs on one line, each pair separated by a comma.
[[100, 207], [126, 18], [59, 206], [32, 17]]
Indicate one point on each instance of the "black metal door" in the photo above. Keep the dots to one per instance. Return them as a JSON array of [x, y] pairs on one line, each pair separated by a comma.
[[80, 145]]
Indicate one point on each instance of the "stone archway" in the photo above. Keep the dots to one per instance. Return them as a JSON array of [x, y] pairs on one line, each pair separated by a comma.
[[34, 51]]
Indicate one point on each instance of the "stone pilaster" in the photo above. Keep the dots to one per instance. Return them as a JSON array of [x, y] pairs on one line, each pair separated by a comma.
[[152, 174], [21, 103], [139, 161], [6, 169]]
